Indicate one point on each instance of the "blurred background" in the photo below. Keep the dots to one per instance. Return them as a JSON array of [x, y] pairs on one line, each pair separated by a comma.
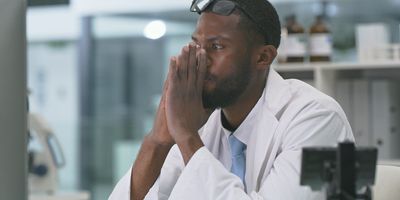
[[96, 68]]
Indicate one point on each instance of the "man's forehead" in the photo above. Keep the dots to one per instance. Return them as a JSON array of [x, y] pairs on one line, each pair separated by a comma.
[[215, 20], [211, 37], [216, 25]]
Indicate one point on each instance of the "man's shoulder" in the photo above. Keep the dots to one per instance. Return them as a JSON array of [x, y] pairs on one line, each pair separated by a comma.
[[305, 99], [314, 115], [306, 95]]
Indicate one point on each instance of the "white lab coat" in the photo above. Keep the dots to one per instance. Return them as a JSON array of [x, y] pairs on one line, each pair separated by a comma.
[[292, 115]]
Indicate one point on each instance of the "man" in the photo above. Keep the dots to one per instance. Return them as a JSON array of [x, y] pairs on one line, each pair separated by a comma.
[[250, 146]]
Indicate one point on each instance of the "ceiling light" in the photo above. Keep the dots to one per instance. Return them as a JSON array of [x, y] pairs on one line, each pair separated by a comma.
[[155, 29]]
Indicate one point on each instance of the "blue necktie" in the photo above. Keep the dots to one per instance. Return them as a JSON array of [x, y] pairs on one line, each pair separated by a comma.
[[238, 157]]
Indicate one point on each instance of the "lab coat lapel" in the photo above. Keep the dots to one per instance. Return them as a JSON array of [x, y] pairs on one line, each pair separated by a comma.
[[256, 157], [262, 154]]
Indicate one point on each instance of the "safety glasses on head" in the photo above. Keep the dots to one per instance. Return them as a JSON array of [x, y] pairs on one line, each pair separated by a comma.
[[223, 7], [220, 7]]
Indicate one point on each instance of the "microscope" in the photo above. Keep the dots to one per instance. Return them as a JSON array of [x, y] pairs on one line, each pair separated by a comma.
[[45, 157]]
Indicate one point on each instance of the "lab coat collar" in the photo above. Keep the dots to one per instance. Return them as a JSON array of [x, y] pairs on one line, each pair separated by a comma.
[[242, 133], [276, 97], [277, 93]]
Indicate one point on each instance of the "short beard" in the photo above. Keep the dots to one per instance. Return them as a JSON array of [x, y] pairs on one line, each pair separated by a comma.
[[229, 89]]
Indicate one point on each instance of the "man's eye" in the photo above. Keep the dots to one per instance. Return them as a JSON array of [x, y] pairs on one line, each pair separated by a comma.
[[217, 46]]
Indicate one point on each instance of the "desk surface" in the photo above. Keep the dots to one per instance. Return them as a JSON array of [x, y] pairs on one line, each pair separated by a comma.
[[80, 195]]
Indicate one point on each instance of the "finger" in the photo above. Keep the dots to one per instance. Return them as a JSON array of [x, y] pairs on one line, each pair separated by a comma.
[[202, 69], [173, 72], [183, 63], [177, 61], [172, 61], [172, 69], [192, 66], [161, 105]]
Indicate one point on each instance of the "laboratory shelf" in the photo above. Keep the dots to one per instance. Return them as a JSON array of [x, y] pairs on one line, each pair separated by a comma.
[[294, 67], [302, 67], [325, 74], [362, 65]]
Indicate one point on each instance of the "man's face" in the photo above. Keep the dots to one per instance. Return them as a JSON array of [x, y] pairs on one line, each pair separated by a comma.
[[229, 58]]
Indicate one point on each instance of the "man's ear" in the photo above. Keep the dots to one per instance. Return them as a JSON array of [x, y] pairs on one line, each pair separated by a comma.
[[266, 55]]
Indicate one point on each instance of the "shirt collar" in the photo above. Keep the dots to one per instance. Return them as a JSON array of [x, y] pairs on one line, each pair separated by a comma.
[[242, 132]]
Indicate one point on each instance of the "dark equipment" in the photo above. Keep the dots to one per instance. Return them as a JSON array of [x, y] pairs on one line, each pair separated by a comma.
[[346, 173]]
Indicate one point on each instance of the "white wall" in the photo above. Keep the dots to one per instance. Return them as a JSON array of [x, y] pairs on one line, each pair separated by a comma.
[[95, 7], [52, 23], [13, 132]]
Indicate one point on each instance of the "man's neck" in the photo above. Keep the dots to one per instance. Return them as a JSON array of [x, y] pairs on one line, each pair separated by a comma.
[[236, 113]]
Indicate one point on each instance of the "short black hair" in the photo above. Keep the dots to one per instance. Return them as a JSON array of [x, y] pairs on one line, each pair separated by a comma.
[[250, 29], [264, 14]]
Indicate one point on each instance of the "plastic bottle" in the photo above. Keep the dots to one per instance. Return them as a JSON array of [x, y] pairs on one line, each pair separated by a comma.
[[282, 57], [320, 46]]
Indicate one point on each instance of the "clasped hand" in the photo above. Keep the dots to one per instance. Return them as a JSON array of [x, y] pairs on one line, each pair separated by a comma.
[[184, 109]]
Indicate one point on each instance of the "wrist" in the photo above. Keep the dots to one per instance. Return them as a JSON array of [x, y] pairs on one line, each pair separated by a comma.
[[188, 145], [156, 141]]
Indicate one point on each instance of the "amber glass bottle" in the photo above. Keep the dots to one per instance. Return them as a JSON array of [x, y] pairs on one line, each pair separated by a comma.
[[296, 41], [320, 46]]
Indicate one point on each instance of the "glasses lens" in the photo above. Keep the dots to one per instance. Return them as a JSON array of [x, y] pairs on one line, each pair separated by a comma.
[[199, 5], [223, 7]]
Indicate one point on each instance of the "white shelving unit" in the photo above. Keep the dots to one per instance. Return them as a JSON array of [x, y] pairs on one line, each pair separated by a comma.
[[371, 98], [325, 74]]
